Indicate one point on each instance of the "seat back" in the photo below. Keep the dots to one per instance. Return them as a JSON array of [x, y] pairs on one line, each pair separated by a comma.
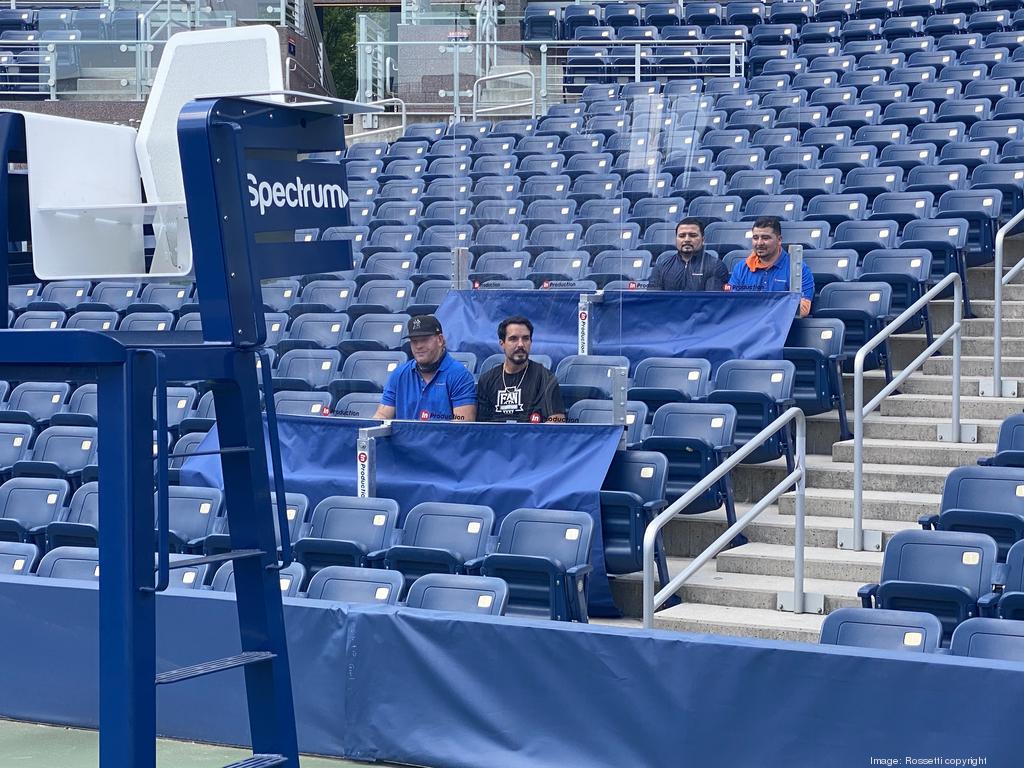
[[70, 563], [886, 630], [941, 557], [562, 536], [33, 501], [462, 529], [369, 522], [459, 594], [17, 558], [772, 377], [590, 411], [290, 579], [355, 585], [989, 639], [70, 448]]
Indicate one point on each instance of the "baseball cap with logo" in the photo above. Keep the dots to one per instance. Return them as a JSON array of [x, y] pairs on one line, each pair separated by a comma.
[[422, 325]]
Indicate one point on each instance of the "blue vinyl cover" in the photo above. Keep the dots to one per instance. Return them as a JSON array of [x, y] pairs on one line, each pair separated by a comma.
[[427, 462], [637, 324], [378, 683]]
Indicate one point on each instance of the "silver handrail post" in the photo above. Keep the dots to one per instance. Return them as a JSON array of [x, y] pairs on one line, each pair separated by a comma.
[[995, 388], [958, 309], [799, 533]]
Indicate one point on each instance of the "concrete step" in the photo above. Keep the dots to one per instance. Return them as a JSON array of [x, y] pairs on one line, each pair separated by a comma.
[[690, 535], [974, 365], [1013, 327], [737, 590], [941, 311], [819, 562], [932, 454], [752, 481], [879, 506], [903, 345], [740, 622], [981, 282], [822, 429], [994, 408]]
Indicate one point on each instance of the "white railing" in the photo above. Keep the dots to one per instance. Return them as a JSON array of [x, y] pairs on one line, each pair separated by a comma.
[[394, 131], [797, 478], [531, 102], [860, 410], [997, 387]]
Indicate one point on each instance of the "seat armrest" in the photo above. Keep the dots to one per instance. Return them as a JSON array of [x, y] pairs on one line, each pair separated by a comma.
[[987, 604], [37, 469], [867, 594], [655, 507], [928, 522], [473, 566], [578, 571]]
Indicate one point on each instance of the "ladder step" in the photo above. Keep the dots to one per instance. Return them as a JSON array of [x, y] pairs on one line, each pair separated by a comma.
[[217, 665], [260, 761], [235, 554]]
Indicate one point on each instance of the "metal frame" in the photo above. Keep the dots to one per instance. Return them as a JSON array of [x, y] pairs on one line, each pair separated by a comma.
[[370, 118], [798, 478], [531, 102], [996, 387], [860, 411]]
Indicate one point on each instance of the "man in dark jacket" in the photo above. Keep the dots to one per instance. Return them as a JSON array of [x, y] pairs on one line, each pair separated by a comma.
[[689, 269]]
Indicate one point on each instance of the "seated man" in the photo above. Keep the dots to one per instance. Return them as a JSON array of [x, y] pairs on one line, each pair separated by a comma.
[[431, 386], [518, 389], [767, 267], [689, 268]]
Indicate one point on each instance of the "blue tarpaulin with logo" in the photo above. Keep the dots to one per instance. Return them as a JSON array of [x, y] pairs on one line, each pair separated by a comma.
[[504, 466], [636, 324]]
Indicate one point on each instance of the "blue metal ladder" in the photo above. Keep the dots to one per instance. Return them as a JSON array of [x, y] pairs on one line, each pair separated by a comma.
[[224, 143]]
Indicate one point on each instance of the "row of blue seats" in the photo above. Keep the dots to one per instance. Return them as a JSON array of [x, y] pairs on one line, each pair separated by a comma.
[[979, 638], [459, 593], [89, 23]]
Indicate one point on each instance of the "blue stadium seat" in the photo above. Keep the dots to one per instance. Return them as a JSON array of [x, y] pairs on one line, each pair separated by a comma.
[[632, 494], [587, 376], [908, 271], [944, 573], [811, 183], [695, 438], [459, 594], [191, 514], [590, 411], [345, 530], [981, 208], [110, 295], [290, 579], [365, 371], [373, 332], [438, 537], [60, 452], [1009, 445], [18, 558], [835, 209], [296, 507], [35, 402], [864, 309], [982, 500], [579, 16], [307, 369], [815, 348], [831, 265], [864, 236], [980, 638], [1009, 604], [326, 296], [38, 319], [28, 505], [936, 179], [357, 405], [661, 380], [81, 563], [315, 330], [791, 12], [289, 403], [760, 391], [14, 445], [947, 242], [544, 557], [347, 584], [885, 630], [93, 321]]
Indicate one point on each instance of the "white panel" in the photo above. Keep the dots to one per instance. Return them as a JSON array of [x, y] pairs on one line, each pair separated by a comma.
[[235, 60]]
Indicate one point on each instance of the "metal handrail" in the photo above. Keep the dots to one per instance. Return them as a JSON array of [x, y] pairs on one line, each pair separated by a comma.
[[860, 411], [532, 101], [798, 477], [1000, 281], [393, 128]]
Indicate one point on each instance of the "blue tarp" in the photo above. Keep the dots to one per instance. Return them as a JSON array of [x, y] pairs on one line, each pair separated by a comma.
[[504, 466], [460, 691], [637, 324]]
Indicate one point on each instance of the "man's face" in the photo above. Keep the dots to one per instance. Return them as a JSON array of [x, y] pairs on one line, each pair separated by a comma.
[[517, 343], [766, 243], [427, 349], [688, 238]]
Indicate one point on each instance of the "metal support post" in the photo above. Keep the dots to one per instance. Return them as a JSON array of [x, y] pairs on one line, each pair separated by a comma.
[[366, 454], [583, 321], [460, 267], [636, 63], [796, 269], [544, 79]]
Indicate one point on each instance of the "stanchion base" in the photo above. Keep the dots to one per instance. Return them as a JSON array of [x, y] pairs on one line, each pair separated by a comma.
[[968, 433], [813, 602], [1007, 388], [872, 540]]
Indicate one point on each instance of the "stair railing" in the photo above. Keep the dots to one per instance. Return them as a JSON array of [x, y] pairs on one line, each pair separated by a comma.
[[531, 102], [956, 432], [796, 479], [997, 387]]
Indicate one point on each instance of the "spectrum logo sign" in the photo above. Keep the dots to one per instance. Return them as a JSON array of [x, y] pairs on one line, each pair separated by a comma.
[[294, 194]]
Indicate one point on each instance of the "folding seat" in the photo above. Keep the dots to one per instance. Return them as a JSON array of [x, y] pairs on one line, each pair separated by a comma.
[[864, 309], [93, 321], [908, 272], [785, 67], [907, 156], [516, 128], [28, 504], [809, 234], [276, 324], [963, 73], [777, 95], [507, 237], [981, 208], [835, 208], [315, 330], [581, 144], [909, 115], [883, 630], [747, 184], [635, 34], [815, 348], [785, 207], [887, 61], [62, 294], [365, 371], [494, 145], [307, 369], [773, 138], [366, 170], [730, 161], [444, 238], [371, 332], [944, 573], [81, 563], [609, 266], [576, 17], [863, 78], [430, 132], [18, 558], [587, 376], [813, 51], [279, 295], [1010, 108], [19, 296], [902, 207], [290, 579], [661, 380], [746, 13], [450, 146], [810, 183], [716, 209], [367, 150], [940, 24], [837, 65], [784, 160], [774, 34], [912, 76], [14, 445], [937, 179], [347, 584], [732, 103], [621, 144], [540, 212], [602, 211], [759, 55], [820, 32], [692, 185], [185, 446], [654, 209], [537, 145], [579, 165], [559, 265], [873, 181], [345, 530], [937, 60], [35, 402], [60, 452], [703, 14], [459, 594], [52, 20], [983, 638], [1006, 177], [987, 57], [303, 403], [960, 42], [326, 296], [939, 134], [861, 29], [447, 189], [845, 159], [999, 131], [864, 236], [752, 120], [790, 12], [830, 265], [876, 9], [825, 137], [508, 212], [802, 118], [115, 296], [835, 10], [727, 236], [391, 238], [880, 136], [545, 188], [554, 237]]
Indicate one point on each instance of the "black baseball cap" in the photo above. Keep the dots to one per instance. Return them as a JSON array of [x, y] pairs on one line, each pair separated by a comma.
[[422, 325]]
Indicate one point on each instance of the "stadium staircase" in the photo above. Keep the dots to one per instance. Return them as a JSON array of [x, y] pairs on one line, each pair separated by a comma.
[[905, 468]]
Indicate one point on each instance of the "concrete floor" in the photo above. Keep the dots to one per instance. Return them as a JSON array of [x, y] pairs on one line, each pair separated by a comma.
[[28, 745]]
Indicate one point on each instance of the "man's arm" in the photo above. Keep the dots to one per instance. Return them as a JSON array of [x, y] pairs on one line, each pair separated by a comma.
[[388, 399], [464, 412], [719, 278], [462, 392], [556, 406], [656, 282], [806, 291], [384, 412]]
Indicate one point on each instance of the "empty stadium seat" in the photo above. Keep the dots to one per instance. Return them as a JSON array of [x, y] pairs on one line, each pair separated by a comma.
[[981, 638], [589, 411], [1009, 445], [459, 594], [347, 584], [290, 579], [815, 348], [18, 558], [587, 376], [632, 494], [70, 563], [660, 380], [79, 526], [864, 309], [345, 530], [886, 630]]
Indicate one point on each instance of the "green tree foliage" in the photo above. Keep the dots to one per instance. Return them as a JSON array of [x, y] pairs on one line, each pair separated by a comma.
[[339, 33]]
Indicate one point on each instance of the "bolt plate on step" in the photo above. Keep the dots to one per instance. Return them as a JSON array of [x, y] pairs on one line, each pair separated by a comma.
[[968, 433], [987, 388], [872, 540], [813, 602]]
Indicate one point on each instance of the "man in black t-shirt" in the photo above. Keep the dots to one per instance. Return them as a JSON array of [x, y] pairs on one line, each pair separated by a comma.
[[519, 389]]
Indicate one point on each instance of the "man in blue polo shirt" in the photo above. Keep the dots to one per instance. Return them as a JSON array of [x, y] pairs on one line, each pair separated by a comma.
[[767, 267], [431, 386]]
